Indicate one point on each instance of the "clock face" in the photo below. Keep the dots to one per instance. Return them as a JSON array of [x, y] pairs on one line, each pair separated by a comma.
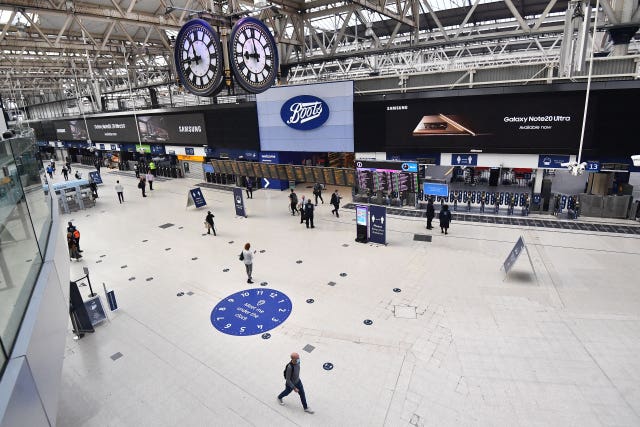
[[198, 58], [253, 55], [251, 312]]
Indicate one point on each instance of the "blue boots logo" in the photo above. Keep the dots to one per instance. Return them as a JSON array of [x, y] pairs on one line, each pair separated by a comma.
[[304, 112]]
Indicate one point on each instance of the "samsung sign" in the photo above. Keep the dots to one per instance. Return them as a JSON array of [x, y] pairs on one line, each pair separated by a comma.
[[304, 112], [315, 117]]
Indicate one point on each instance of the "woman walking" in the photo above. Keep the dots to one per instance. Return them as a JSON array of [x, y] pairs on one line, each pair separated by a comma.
[[247, 257]]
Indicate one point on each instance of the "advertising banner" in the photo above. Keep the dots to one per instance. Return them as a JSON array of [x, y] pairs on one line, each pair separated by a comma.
[[316, 117], [117, 129], [238, 202], [71, 130], [378, 224], [183, 129]]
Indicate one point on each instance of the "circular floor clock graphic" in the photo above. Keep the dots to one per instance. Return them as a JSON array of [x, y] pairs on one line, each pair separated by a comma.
[[198, 58], [253, 55], [251, 312]]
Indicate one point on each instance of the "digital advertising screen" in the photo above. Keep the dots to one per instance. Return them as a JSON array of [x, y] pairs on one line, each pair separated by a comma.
[[180, 129], [117, 129], [361, 214], [71, 130], [313, 117]]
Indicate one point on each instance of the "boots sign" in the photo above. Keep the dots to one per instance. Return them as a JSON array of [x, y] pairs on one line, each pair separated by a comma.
[[304, 112]]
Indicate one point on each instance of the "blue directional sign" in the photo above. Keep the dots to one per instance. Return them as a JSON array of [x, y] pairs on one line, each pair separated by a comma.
[[238, 202], [189, 151], [378, 224], [464, 159], [251, 312], [95, 176], [409, 167], [513, 255], [537, 198], [593, 167], [435, 189], [548, 161], [197, 197]]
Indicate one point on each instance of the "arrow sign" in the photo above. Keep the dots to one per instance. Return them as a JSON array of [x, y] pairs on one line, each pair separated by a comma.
[[266, 183]]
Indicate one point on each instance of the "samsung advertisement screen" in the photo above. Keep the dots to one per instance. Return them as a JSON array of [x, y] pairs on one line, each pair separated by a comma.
[[361, 215], [316, 117]]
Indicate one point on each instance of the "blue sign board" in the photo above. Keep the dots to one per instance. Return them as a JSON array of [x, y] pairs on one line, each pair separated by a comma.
[[207, 167], [378, 224], [304, 112], [238, 202], [189, 151], [251, 312], [464, 159], [409, 167], [361, 215], [513, 255], [157, 149], [593, 167], [537, 199], [111, 299], [435, 189], [548, 161], [197, 197], [95, 176]]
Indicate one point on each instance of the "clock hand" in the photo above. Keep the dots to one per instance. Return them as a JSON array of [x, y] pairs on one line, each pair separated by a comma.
[[190, 60]]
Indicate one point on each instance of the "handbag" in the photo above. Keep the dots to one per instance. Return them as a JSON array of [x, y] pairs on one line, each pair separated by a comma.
[[241, 257]]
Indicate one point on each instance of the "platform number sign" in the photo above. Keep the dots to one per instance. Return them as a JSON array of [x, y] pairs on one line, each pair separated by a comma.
[[251, 312]]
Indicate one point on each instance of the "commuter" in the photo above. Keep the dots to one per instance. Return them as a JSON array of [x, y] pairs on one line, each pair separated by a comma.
[[50, 171], [335, 201], [94, 188], [249, 188], [208, 222], [293, 382], [136, 169], [150, 177], [142, 184], [308, 213], [293, 198], [53, 166], [68, 165], [120, 191], [152, 168], [98, 164], [65, 173], [445, 219], [317, 191], [482, 202], [301, 206], [72, 244], [431, 212], [78, 175], [497, 206], [246, 256], [75, 233]]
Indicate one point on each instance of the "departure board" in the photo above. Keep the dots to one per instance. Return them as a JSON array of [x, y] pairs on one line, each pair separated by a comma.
[[291, 173], [242, 166], [350, 175], [264, 168], [216, 165], [299, 173], [339, 178], [328, 176], [282, 172], [235, 168], [273, 171], [257, 171], [308, 174]]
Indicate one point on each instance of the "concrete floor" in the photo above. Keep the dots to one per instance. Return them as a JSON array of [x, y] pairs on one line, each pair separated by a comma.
[[460, 344]]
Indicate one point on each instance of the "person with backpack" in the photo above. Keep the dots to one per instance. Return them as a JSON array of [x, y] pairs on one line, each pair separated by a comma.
[[317, 191], [335, 201], [445, 218], [293, 198], [246, 256], [293, 383], [208, 222], [73, 247], [75, 234], [308, 213]]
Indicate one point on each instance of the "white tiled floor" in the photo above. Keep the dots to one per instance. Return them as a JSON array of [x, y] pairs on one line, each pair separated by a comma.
[[560, 348]]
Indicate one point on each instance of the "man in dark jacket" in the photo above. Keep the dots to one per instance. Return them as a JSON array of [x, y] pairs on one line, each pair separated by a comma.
[[293, 199], [335, 201], [293, 383], [445, 219], [430, 213], [317, 191], [210, 225], [308, 213], [249, 188]]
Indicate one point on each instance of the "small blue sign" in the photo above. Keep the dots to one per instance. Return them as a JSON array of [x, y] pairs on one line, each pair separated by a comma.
[[208, 167], [537, 199], [304, 112], [197, 197], [189, 151], [101, 147], [409, 167], [251, 312], [435, 189], [95, 176], [114, 147], [157, 149], [378, 224], [238, 202], [548, 161], [513, 255], [593, 167], [464, 159]]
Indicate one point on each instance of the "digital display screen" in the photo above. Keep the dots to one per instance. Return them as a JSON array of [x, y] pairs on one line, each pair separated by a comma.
[[435, 189], [361, 215], [121, 129], [187, 129]]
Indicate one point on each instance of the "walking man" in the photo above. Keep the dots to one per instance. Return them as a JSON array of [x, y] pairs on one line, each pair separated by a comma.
[[142, 184], [430, 213], [150, 177], [249, 188], [303, 202], [335, 201], [119, 190], [97, 164], [65, 172], [209, 222], [293, 198], [293, 382], [308, 213], [247, 257], [317, 191], [445, 219], [75, 234]]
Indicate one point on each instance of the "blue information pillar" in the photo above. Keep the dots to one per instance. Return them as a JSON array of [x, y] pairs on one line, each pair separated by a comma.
[[270, 183], [378, 224]]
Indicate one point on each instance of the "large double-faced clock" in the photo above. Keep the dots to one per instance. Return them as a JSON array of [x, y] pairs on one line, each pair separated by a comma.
[[253, 55], [198, 58]]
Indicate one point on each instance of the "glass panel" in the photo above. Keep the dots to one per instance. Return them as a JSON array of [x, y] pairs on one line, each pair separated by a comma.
[[20, 259]]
